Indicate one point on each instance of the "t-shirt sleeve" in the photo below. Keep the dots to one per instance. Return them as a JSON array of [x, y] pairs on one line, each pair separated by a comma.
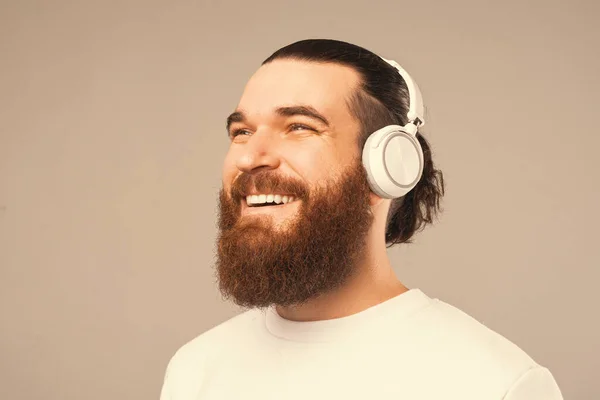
[[535, 384]]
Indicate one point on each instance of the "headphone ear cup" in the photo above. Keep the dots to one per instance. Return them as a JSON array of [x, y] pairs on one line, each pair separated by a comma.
[[393, 160]]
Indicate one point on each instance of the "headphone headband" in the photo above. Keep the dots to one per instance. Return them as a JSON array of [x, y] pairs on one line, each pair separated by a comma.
[[416, 109]]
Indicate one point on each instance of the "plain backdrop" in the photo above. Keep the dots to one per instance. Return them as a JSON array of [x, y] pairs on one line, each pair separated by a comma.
[[112, 135]]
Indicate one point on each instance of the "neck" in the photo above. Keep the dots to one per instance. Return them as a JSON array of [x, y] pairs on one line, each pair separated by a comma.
[[374, 283]]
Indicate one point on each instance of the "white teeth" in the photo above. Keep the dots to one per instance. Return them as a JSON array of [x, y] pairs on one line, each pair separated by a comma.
[[256, 199]]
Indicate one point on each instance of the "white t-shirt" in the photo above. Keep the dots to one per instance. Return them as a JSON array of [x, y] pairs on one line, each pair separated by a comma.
[[409, 347]]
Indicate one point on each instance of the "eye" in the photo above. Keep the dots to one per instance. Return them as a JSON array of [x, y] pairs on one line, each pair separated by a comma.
[[238, 132], [300, 127]]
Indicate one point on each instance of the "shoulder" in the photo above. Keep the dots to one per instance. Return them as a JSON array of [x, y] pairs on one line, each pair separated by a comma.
[[457, 334], [188, 366], [460, 351], [217, 339]]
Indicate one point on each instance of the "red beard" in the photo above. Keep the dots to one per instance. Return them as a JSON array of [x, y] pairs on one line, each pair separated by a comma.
[[316, 253]]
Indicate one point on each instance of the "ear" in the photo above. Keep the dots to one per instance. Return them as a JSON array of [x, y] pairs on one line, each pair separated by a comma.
[[375, 200]]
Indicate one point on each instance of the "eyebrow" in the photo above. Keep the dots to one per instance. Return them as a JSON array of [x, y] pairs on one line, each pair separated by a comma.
[[290, 111]]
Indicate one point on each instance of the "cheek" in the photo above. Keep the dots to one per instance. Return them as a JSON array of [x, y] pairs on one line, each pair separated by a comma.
[[314, 166]]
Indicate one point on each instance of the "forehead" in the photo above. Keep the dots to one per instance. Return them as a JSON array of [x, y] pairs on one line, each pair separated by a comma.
[[324, 86]]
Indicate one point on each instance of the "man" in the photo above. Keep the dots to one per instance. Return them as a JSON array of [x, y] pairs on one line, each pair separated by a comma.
[[309, 203]]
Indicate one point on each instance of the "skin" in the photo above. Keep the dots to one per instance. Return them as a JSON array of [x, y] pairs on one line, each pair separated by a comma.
[[308, 149]]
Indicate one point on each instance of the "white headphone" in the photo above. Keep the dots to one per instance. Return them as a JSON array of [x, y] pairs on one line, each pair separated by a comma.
[[392, 155]]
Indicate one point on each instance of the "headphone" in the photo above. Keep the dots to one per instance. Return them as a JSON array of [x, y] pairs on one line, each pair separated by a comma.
[[392, 155]]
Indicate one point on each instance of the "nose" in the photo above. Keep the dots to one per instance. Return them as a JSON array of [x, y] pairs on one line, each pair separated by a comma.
[[259, 153]]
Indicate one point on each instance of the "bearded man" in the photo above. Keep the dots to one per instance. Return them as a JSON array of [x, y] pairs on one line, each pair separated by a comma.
[[327, 167]]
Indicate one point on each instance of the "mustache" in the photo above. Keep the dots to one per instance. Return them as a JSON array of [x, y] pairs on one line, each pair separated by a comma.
[[267, 182]]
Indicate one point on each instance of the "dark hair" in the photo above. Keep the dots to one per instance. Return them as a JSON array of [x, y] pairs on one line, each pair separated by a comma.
[[381, 99]]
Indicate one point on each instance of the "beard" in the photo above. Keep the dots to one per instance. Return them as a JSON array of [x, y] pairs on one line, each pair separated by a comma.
[[314, 252]]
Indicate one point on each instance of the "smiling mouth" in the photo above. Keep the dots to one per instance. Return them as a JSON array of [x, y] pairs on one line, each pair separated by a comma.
[[263, 200]]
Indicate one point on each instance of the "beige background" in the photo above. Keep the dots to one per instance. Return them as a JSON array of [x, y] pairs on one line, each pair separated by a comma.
[[111, 139]]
